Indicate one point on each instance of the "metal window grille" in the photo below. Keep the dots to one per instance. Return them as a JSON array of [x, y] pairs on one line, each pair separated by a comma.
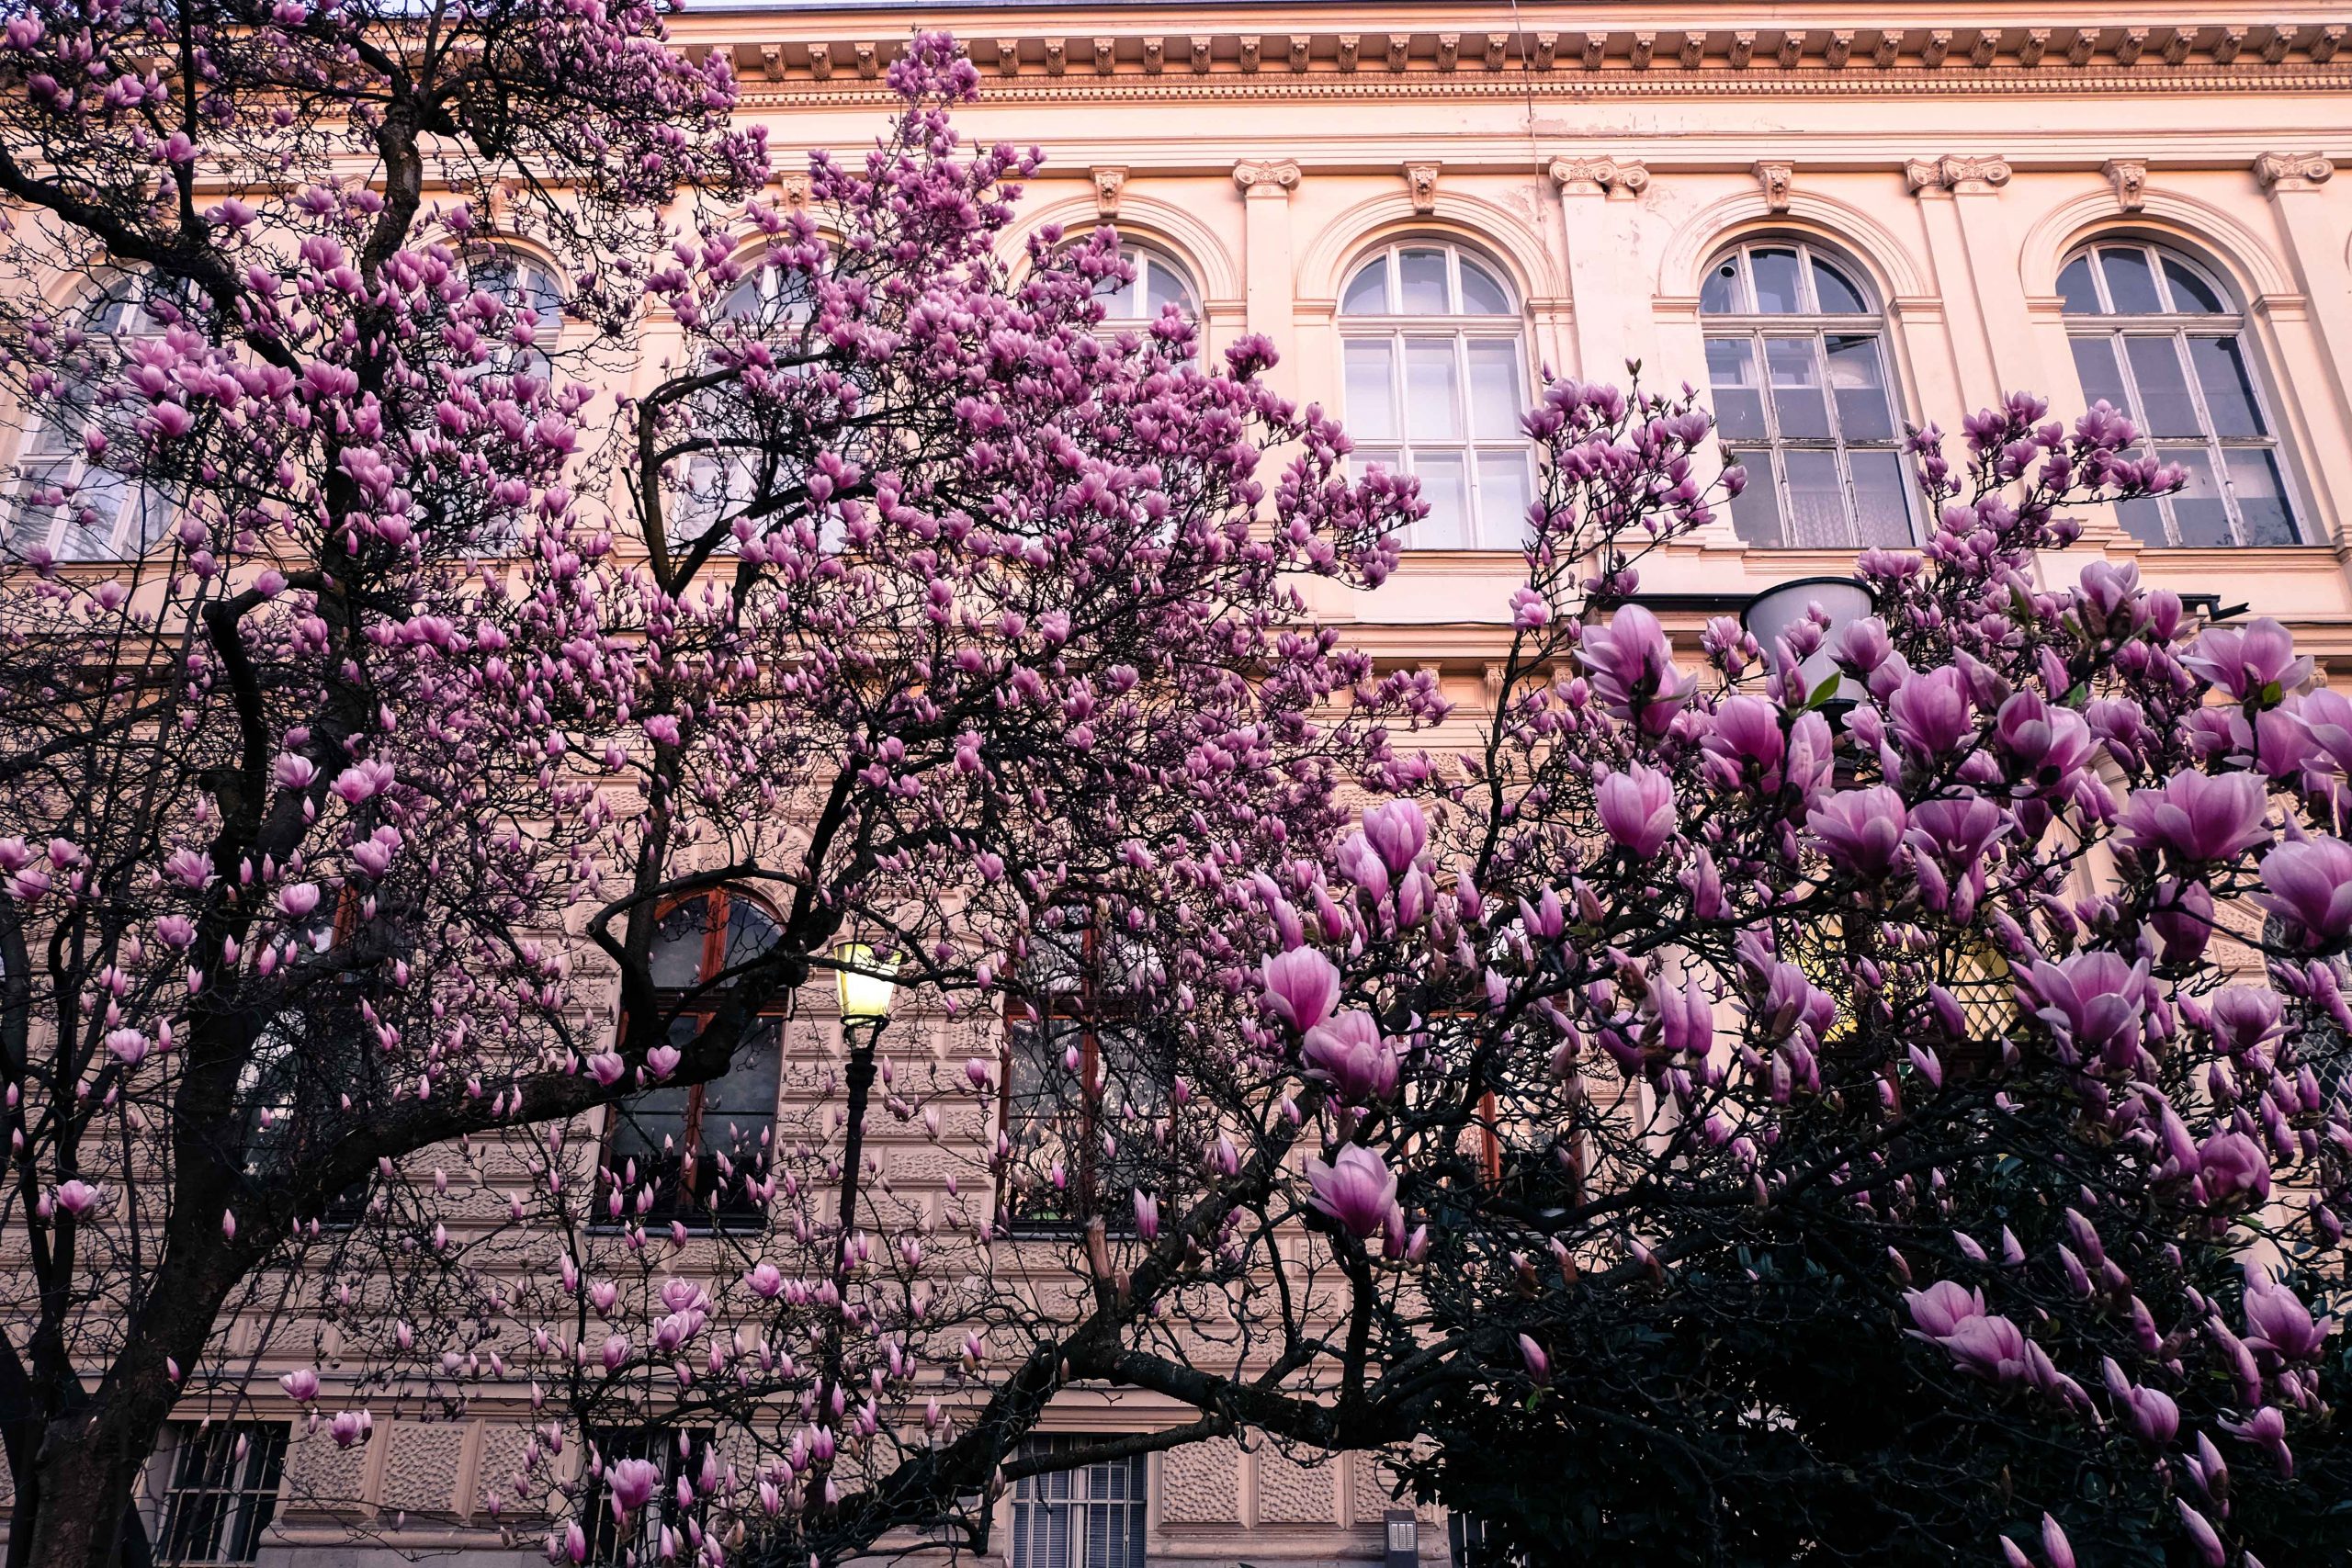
[[223, 1490], [673, 1453], [1088, 1517]]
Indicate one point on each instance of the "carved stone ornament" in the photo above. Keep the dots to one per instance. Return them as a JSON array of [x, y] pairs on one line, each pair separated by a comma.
[[1595, 45], [1056, 56], [1587, 177], [821, 61], [869, 60], [1008, 56], [1449, 51], [2130, 177], [1250, 46], [1742, 51], [792, 188], [1839, 50], [1201, 56], [1420, 180], [1775, 178], [1399, 46], [1350, 44], [1547, 50], [1155, 55], [1644, 48], [1105, 55], [1955, 173], [1274, 177], [2292, 170], [772, 61], [1107, 182], [1299, 45]]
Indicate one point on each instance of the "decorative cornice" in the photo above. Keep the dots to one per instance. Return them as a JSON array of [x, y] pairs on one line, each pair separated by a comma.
[[2155, 51], [2292, 170], [1591, 176], [1420, 182], [1951, 173], [1776, 178], [2130, 177], [1278, 175]]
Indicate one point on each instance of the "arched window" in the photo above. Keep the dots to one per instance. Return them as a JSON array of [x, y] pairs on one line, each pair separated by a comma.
[[689, 1151], [1796, 359], [67, 501], [2159, 337], [1158, 284], [719, 482], [1436, 381], [529, 287]]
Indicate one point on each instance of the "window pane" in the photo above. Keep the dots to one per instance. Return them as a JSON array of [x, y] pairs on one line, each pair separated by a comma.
[[1720, 294], [1506, 489], [2198, 515], [1857, 383], [2164, 403], [1777, 289], [1756, 515], [1121, 302], [1739, 400], [92, 511], [676, 962], [1797, 400], [1420, 279], [1837, 295], [1386, 457], [1817, 500], [2229, 391], [2128, 282], [1367, 292], [1371, 392], [2262, 500], [2074, 287], [1432, 390], [2102, 382], [740, 1104], [1482, 294], [1445, 486], [2191, 295], [1163, 287], [2143, 520], [1879, 492], [1497, 396]]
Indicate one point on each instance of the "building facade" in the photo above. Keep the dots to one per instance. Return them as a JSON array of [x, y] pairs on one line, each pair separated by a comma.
[[1837, 221]]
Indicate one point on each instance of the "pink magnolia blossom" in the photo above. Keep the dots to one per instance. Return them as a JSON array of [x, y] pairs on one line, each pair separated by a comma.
[[1357, 1189], [1637, 808], [1301, 986], [1350, 1053]]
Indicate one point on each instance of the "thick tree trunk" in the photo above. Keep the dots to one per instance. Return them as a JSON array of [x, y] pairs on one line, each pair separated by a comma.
[[84, 1494]]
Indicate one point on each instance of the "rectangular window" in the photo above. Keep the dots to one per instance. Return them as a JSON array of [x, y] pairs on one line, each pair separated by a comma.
[[223, 1490], [674, 1454], [1090, 1517], [692, 1146]]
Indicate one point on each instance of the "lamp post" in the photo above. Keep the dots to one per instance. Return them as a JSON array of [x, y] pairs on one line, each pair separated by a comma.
[[1772, 614], [868, 986]]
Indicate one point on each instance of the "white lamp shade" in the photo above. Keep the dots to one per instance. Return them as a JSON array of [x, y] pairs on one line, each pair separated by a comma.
[[1770, 613], [867, 989]]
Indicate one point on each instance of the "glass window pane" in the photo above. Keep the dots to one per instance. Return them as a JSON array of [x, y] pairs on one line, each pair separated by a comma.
[[1367, 292], [1797, 401], [1388, 458], [1881, 491], [1817, 500], [2074, 287], [92, 511], [1739, 396], [2102, 382], [1432, 390], [1778, 290], [1164, 286], [2143, 520], [1720, 294], [1371, 389], [1121, 302], [676, 962], [1837, 295], [1421, 284], [2165, 407], [1756, 515], [1482, 293], [2191, 295], [1498, 397], [1506, 489], [740, 1104], [2199, 513], [2221, 375], [1859, 383], [2262, 498], [1445, 485], [2129, 282]]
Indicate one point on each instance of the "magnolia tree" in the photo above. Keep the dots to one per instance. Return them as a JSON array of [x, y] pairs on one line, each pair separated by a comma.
[[1882, 1091], [382, 716]]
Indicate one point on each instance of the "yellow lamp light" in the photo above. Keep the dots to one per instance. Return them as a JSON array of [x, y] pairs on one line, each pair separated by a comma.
[[867, 987]]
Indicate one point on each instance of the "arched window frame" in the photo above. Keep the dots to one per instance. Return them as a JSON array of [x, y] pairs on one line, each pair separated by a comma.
[[1399, 365], [691, 1189], [1159, 280], [1798, 451], [523, 282], [2241, 486], [716, 485], [126, 516]]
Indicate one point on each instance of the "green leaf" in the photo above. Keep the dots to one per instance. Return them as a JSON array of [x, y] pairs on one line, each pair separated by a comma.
[[1825, 693]]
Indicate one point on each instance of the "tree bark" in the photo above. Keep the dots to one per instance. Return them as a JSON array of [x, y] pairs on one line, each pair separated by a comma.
[[83, 1494]]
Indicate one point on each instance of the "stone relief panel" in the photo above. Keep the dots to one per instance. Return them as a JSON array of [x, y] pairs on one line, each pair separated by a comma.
[[421, 1467], [323, 1478], [1290, 1493], [1201, 1483]]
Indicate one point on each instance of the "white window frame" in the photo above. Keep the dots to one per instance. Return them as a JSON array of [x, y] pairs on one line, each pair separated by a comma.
[[1114, 1495], [139, 514], [1745, 322], [1394, 326], [1148, 258], [2114, 328]]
